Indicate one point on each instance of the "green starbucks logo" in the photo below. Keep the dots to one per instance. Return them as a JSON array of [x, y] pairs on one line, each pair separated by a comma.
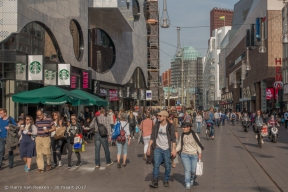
[[64, 74], [35, 67], [50, 75], [20, 68]]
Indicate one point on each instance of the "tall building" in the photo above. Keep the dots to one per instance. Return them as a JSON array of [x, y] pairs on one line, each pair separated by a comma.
[[216, 22], [105, 41], [192, 77], [255, 41], [166, 78], [152, 20]]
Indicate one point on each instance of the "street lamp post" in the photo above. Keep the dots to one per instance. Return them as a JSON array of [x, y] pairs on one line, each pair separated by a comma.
[[182, 76]]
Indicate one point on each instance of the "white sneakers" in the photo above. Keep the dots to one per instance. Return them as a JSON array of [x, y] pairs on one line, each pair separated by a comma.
[[59, 164]]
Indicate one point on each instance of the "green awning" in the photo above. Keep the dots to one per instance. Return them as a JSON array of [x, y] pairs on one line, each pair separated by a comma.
[[93, 99], [50, 95]]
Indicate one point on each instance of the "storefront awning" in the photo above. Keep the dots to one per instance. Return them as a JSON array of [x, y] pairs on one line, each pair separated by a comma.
[[93, 99], [50, 95]]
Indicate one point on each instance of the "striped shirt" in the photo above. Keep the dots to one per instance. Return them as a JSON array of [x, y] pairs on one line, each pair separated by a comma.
[[40, 124]]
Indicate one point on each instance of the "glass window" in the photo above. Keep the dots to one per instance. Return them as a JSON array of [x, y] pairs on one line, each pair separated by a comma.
[[102, 50], [77, 36]]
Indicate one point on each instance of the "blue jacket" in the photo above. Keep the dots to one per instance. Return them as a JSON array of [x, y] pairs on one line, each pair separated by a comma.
[[3, 124]]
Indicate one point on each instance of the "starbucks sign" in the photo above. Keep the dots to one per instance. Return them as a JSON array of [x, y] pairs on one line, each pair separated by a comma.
[[20, 71], [64, 74], [50, 77], [35, 67]]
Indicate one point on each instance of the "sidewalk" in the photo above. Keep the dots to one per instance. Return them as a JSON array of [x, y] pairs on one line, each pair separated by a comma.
[[227, 167]]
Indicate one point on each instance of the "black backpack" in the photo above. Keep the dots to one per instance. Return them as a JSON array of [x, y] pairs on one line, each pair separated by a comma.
[[102, 129]]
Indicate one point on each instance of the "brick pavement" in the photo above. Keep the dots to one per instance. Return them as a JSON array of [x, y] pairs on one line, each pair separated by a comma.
[[227, 167]]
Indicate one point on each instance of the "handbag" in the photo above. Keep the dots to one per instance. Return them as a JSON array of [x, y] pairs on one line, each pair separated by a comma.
[[60, 133], [199, 168]]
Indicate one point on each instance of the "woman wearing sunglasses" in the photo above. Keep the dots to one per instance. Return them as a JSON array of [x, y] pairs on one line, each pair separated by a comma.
[[56, 117], [27, 134], [190, 150]]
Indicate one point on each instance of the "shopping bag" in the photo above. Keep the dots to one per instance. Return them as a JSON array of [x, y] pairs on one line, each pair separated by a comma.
[[199, 168], [264, 131], [116, 131], [136, 129]]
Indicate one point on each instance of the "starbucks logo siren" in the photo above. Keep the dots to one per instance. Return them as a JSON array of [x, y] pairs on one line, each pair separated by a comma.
[[35, 67], [50, 75], [64, 74], [20, 68]]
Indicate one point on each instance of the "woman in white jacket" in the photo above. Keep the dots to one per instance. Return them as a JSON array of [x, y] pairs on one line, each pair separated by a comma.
[[198, 123]]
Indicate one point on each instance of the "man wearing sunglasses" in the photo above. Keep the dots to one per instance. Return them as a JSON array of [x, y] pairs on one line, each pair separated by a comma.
[[45, 126], [163, 141]]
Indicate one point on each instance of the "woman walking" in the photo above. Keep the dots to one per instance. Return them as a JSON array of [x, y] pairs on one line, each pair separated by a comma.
[[132, 123], [146, 127], [190, 150], [123, 144], [73, 130], [56, 117], [27, 134], [59, 140], [198, 122]]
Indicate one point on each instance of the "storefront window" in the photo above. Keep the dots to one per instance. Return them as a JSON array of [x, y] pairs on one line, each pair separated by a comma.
[[102, 51], [77, 36]]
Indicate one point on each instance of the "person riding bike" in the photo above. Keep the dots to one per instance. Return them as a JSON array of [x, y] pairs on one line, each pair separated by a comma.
[[245, 117], [271, 123], [232, 117], [258, 124]]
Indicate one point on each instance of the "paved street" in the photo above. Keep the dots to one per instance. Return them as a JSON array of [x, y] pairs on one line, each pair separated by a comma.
[[232, 162]]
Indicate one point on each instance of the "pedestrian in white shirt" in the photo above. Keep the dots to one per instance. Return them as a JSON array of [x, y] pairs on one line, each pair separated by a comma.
[[199, 120]]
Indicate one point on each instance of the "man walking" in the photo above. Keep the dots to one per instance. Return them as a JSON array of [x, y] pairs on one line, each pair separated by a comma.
[[217, 118], [163, 141], [45, 126], [4, 126], [101, 119]]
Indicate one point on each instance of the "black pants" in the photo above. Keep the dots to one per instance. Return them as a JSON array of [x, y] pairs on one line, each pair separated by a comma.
[[53, 146], [132, 130], [70, 147]]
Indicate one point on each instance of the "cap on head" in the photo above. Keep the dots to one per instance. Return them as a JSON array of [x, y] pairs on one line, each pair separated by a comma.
[[163, 113], [186, 124]]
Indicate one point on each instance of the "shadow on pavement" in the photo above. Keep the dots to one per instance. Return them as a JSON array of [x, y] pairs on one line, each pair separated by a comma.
[[261, 189], [252, 144], [180, 178]]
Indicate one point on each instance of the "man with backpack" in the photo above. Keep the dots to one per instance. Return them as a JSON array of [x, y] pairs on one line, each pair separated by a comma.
[[163, 143], [102, 135], [5, 123]]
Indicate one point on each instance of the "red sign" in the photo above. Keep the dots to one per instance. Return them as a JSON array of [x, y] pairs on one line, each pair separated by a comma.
[[85, 79], [269, 93], [113, 95], [73, 82], [278, 73]]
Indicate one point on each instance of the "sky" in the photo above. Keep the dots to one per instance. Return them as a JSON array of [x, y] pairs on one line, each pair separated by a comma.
[[187, 13]]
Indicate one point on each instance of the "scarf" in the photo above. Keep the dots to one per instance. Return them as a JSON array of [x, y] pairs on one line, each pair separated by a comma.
[[195, 138]]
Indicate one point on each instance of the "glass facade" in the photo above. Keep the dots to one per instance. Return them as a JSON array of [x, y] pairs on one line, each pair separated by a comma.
[[77, 36]]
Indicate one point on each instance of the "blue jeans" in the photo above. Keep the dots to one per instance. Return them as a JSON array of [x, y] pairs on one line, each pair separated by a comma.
[[189, 163], [119, 147], [217, 122], [198, 130], [212, 130], [159, 156], [104, 141], [2, 152], [223, 122]]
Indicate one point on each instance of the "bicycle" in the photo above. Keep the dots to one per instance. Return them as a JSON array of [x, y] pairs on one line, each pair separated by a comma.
[[208, 131]]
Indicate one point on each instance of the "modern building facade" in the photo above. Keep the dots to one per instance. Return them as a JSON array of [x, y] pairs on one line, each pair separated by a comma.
[[216, 22], [211, 78], [252, 55], [105, 44], [191, 85]]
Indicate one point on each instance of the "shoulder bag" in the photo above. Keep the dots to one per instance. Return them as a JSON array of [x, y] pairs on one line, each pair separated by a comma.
[[60, 133], [101, 129]]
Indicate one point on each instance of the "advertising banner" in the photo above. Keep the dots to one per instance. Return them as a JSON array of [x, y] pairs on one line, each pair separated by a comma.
[[269, 93], [86, 79], [64, 74], [73, 82], [148, 95], [20, 71], [35, 67], [113, 95], [50, 77]]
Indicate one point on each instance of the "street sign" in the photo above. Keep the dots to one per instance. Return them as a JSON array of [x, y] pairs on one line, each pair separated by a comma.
[[278, 84]]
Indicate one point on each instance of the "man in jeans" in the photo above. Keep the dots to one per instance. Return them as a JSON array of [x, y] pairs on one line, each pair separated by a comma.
[[45, 126], [162, 139], [217, 118], [101, 140], [4, 122]]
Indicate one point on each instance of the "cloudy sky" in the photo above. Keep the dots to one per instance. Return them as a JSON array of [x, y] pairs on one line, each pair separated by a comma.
[[188, 13]]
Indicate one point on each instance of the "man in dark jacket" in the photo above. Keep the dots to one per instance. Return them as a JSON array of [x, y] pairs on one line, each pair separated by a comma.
[[162, 139]]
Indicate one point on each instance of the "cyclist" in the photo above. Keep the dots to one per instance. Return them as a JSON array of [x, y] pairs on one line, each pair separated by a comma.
[[258, 124], [210, 120]]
